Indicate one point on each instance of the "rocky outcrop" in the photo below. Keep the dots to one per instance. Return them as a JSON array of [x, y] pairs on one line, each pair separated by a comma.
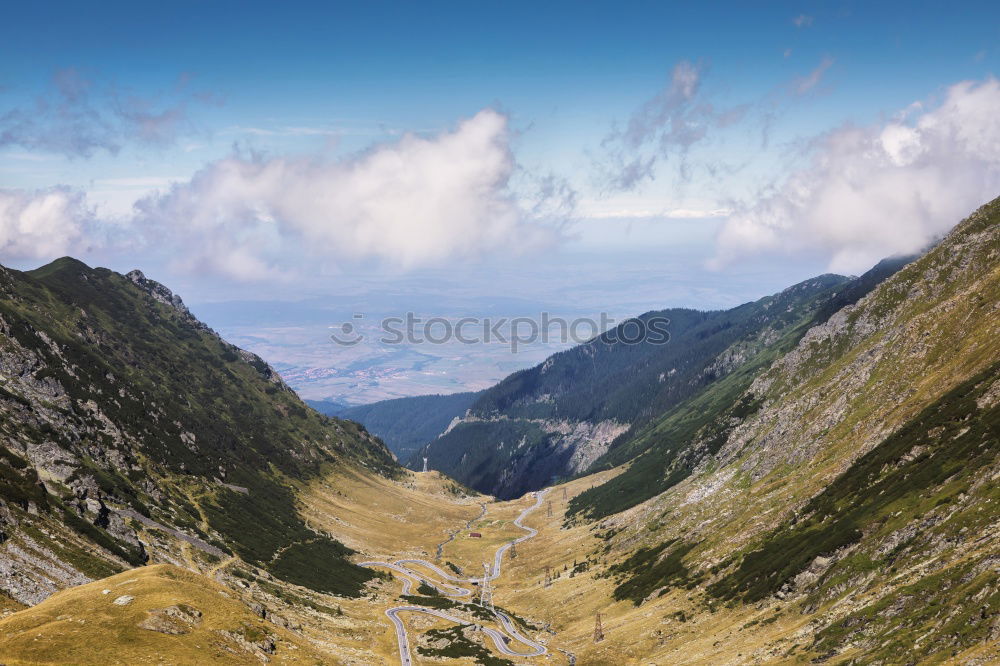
[[172, 620]]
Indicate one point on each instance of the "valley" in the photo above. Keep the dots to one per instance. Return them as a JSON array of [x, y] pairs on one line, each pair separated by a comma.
[[811, 478]]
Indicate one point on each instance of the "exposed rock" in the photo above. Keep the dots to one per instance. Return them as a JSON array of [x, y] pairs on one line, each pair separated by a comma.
[[172, 620]]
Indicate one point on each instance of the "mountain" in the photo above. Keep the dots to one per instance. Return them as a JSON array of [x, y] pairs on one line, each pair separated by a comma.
[[658, 451], [404, 424], [843, 507], [121, 416], [581, 408]]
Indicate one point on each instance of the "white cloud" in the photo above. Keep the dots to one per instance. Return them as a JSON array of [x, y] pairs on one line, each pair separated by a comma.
[[311, 131], [881, 190], [802, 21], [416, 202], [41, 223]]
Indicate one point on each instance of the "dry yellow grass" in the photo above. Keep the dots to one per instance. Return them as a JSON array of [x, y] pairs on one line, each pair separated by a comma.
[[496, 528], [384, 520], [84, 625], [652, 634], [387, 518], [648, 634], [8, 606], [391, 520]]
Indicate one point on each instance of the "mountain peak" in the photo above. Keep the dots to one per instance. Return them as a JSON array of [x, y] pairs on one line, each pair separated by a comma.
[[60, 265]]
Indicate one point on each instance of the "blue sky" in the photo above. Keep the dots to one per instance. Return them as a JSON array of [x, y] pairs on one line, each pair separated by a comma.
[[579, 155]]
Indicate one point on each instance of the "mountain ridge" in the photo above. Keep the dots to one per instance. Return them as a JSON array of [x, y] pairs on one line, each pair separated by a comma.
[[115, 399], [555, 420]]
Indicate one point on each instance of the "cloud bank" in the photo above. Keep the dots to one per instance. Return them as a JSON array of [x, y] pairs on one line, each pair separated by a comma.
[[416, 202], [872, 192]]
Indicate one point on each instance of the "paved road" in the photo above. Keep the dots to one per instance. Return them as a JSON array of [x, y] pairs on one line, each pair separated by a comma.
[[443, 588], [500, 639]]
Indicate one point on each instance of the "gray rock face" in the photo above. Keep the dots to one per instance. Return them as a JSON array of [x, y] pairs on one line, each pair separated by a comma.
[[892, 348], [163, 295], [30, 572]]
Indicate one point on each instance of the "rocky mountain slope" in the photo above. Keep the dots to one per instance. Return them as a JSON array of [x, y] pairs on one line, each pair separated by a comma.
[[853, 484], [590, 407], [122, 415]]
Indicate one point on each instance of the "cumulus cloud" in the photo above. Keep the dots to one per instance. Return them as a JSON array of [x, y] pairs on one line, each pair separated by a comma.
[[41, 223], [872, 192], [415, 202], [802, 21], [77, 118], [667, 125]]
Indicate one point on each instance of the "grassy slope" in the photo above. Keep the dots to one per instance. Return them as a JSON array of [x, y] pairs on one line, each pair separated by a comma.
[[83, 625], [386, 518], [379, 517]]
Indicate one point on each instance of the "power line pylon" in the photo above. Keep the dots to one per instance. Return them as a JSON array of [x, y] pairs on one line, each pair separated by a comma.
[[486, 591], [513, 551], [598, 630], [550, 509], [564, 493], [548, 575]]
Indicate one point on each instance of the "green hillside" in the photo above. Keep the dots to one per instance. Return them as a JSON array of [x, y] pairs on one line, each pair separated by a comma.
[[114, 399]]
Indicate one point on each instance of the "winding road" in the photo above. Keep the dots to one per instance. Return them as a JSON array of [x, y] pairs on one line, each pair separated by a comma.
[[500, 639]]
